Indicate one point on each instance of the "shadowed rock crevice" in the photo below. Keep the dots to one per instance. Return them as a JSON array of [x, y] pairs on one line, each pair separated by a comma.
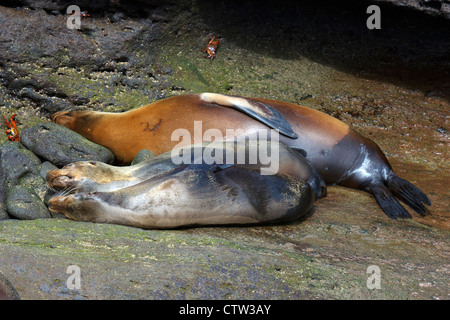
[[412, 49]]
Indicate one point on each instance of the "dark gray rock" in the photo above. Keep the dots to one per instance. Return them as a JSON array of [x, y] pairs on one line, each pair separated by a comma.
[[18, 167], [7, 290], [61, 146], [46, 167], [142, 155], [34, 182], [22, 189], [16, 162], [23, 203]]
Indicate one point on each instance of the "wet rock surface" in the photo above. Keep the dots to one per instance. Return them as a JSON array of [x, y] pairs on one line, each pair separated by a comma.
[[391, 85]]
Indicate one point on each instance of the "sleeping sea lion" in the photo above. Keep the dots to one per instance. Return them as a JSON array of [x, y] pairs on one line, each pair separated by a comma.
[[89, 176], [159, 193], [341, 155]]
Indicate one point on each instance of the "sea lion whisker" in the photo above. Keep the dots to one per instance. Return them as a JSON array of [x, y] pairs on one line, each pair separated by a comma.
[[65, 192]]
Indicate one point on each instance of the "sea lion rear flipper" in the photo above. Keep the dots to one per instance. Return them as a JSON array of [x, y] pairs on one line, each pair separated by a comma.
[[255, 109], [395, 186], [387, 201], [408, 193]]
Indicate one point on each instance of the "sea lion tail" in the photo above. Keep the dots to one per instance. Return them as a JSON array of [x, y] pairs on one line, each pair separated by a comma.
[[408, 193], [396, 187]]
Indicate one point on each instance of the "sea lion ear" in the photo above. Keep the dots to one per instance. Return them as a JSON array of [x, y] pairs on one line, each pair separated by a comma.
[[255, 109]]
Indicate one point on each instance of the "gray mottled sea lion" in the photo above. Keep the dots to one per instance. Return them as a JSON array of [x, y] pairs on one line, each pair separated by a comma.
[[159, 193]]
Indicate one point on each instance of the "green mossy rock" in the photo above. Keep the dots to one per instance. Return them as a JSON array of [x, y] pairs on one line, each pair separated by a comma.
[[23, 203]]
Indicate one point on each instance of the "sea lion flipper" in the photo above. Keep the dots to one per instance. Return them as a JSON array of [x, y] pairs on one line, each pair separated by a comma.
[[255, 109], [395, 187], [269, 117], [302, 152], [221, 167], [387, 202], [408, 193]]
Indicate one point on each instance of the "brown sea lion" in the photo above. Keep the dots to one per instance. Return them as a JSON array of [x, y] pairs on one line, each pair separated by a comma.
[[163, 193], [341, 155]]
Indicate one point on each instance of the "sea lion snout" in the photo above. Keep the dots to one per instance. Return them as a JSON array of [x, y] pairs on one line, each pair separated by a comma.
[[69, 205], [59, 204], [64, 118], [71, 175], [61, 182], [60, 179]]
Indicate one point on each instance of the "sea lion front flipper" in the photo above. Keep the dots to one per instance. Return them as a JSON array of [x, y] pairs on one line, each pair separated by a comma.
[[302, 152], [255, 109]]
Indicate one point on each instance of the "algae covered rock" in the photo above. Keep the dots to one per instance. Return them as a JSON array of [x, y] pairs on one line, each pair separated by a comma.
[[22, 189], [23, 203], [16, 161], [142, 156], [62, 146]]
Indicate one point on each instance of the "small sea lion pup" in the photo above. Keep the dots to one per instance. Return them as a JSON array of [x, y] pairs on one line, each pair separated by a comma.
[[340, 155], [167, 193]]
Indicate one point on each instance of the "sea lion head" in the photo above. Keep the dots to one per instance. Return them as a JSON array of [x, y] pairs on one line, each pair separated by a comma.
[[77, 206], [86, 176]]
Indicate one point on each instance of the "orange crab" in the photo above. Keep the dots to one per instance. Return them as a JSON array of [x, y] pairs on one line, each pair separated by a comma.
[[12, 132], [211, 48]]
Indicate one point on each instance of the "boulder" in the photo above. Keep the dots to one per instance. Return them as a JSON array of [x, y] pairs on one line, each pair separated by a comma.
[[23, 203], [62, 146], [142, 156]]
